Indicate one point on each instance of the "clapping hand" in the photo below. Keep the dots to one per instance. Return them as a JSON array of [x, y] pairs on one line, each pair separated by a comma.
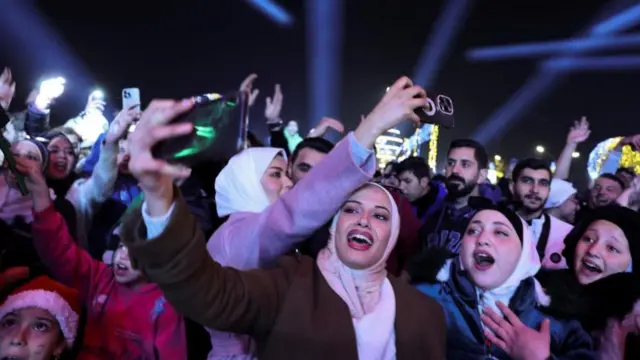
[[247, 86], [7, 88], [397, 105], [516, 339], [579, 132]]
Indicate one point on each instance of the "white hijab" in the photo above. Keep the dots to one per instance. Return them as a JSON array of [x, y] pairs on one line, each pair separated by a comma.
[[238, 186]]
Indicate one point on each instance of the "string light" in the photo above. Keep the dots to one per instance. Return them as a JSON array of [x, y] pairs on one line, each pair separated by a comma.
[[432, 159]]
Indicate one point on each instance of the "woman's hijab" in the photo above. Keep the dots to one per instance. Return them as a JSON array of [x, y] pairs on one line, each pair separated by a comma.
[[360, 289], [238, 186]]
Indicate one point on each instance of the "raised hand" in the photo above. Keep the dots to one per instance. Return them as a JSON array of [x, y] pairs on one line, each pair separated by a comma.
[[94, 105], [324, 125], [274, 106], [49, 91], [156, 176], [36, 183], [579, 132], [516, 339], [247, 86], [119, 126], [397, 105], [7, 88]]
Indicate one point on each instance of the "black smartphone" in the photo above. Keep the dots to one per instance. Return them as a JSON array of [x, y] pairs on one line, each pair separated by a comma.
[[439, 111], [219, 124]]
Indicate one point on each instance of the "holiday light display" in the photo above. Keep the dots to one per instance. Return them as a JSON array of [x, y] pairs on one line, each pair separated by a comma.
[[388, 147], [630, 159], [393, 147]]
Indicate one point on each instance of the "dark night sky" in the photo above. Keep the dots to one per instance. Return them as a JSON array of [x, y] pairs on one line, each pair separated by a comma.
[[180, 48]]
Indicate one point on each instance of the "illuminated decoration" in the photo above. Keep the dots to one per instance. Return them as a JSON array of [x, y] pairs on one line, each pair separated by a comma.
[[388, 147], [630, 159], [492, 176], [432, 159]]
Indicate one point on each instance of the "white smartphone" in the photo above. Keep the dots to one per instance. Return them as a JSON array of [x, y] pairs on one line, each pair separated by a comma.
[[130, 97]]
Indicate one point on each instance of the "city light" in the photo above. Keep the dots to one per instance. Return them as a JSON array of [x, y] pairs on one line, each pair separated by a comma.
[[497, 157], [540, 149], [575, 155]]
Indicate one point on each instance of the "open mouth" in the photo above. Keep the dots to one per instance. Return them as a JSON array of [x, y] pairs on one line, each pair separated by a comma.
[[591, 267], [60, 166], [483, 260], [121, 269], [359, 240]]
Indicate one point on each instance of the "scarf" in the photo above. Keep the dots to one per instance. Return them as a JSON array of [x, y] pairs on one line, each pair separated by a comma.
[[360, 289], [238, 186]]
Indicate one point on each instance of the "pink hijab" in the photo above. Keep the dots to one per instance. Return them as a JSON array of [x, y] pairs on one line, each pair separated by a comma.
[[360, 289]]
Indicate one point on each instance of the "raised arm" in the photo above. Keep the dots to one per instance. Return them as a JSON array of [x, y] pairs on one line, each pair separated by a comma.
[[253, 240], [67, 262], [197, 286]]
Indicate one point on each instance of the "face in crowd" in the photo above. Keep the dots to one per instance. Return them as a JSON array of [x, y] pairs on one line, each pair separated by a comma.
[[568, 209], [532, 188], [62, 157], [275, 181], [123, 272], [305, 160], [363, 228], [30, 333], [31, 156], [491, 249], [292, 128], [604, 191], [463, 172], [389, 176], [123, 157], [602, 250]]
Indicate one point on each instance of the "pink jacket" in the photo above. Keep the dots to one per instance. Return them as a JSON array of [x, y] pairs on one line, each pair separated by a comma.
[[122, 323], [255, 240]]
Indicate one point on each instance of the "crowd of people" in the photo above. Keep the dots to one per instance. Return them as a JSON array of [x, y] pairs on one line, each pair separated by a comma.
[[300, 248]]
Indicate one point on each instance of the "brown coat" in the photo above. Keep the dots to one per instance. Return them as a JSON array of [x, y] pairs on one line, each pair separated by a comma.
[[290, 311]]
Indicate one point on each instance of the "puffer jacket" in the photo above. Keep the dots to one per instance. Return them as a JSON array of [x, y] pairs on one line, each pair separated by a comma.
[[465, 334]]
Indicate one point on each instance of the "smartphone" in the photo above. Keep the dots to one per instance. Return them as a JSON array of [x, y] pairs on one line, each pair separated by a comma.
[[130, 97], [219, 125], [439, 111]]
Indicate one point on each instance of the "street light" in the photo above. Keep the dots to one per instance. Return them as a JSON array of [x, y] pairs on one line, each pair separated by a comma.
[[497, 157], [575, 155], [540, 149]]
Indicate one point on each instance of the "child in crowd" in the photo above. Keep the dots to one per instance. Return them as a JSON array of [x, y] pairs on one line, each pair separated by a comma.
[[38, 320], [127, 317]]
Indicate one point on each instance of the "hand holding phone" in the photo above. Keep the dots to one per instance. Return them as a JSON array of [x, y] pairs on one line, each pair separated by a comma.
[[438, 111], [131, 97]]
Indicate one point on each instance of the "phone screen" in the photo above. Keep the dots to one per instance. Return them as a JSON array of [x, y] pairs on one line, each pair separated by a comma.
[[130, 97], [217, 127]]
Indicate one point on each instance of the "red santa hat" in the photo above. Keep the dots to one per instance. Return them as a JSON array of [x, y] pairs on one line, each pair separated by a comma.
[[45, 293]]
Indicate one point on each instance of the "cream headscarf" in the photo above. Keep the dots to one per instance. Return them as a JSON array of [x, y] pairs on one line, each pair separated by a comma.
[[360, 289], [238, 186]]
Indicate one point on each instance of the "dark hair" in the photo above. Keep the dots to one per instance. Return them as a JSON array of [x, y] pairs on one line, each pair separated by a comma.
[[416, 165], [65, 131], [612, 177], [318, 144], [479, 152], [625, 170], [530, 163]]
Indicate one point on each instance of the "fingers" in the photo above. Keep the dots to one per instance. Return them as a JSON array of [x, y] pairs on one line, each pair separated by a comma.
[[163, 111], [162, 167], [248, 82], [493, 324], [513, 318], [400, 84], [160, 133], [268, 101], [133, 107], [496, 340], [545, 327]]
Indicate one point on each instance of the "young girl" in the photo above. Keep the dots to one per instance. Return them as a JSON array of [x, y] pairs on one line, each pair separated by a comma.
[[38, 320], [127, 317], [489, 290]]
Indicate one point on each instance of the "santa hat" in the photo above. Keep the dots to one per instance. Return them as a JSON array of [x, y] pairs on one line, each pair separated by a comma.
[[44, 293]]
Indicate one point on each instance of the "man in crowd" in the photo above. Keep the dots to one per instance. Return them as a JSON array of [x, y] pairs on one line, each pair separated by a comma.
[[306, 155], [563, 202], [530, 189], [426, 196]]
